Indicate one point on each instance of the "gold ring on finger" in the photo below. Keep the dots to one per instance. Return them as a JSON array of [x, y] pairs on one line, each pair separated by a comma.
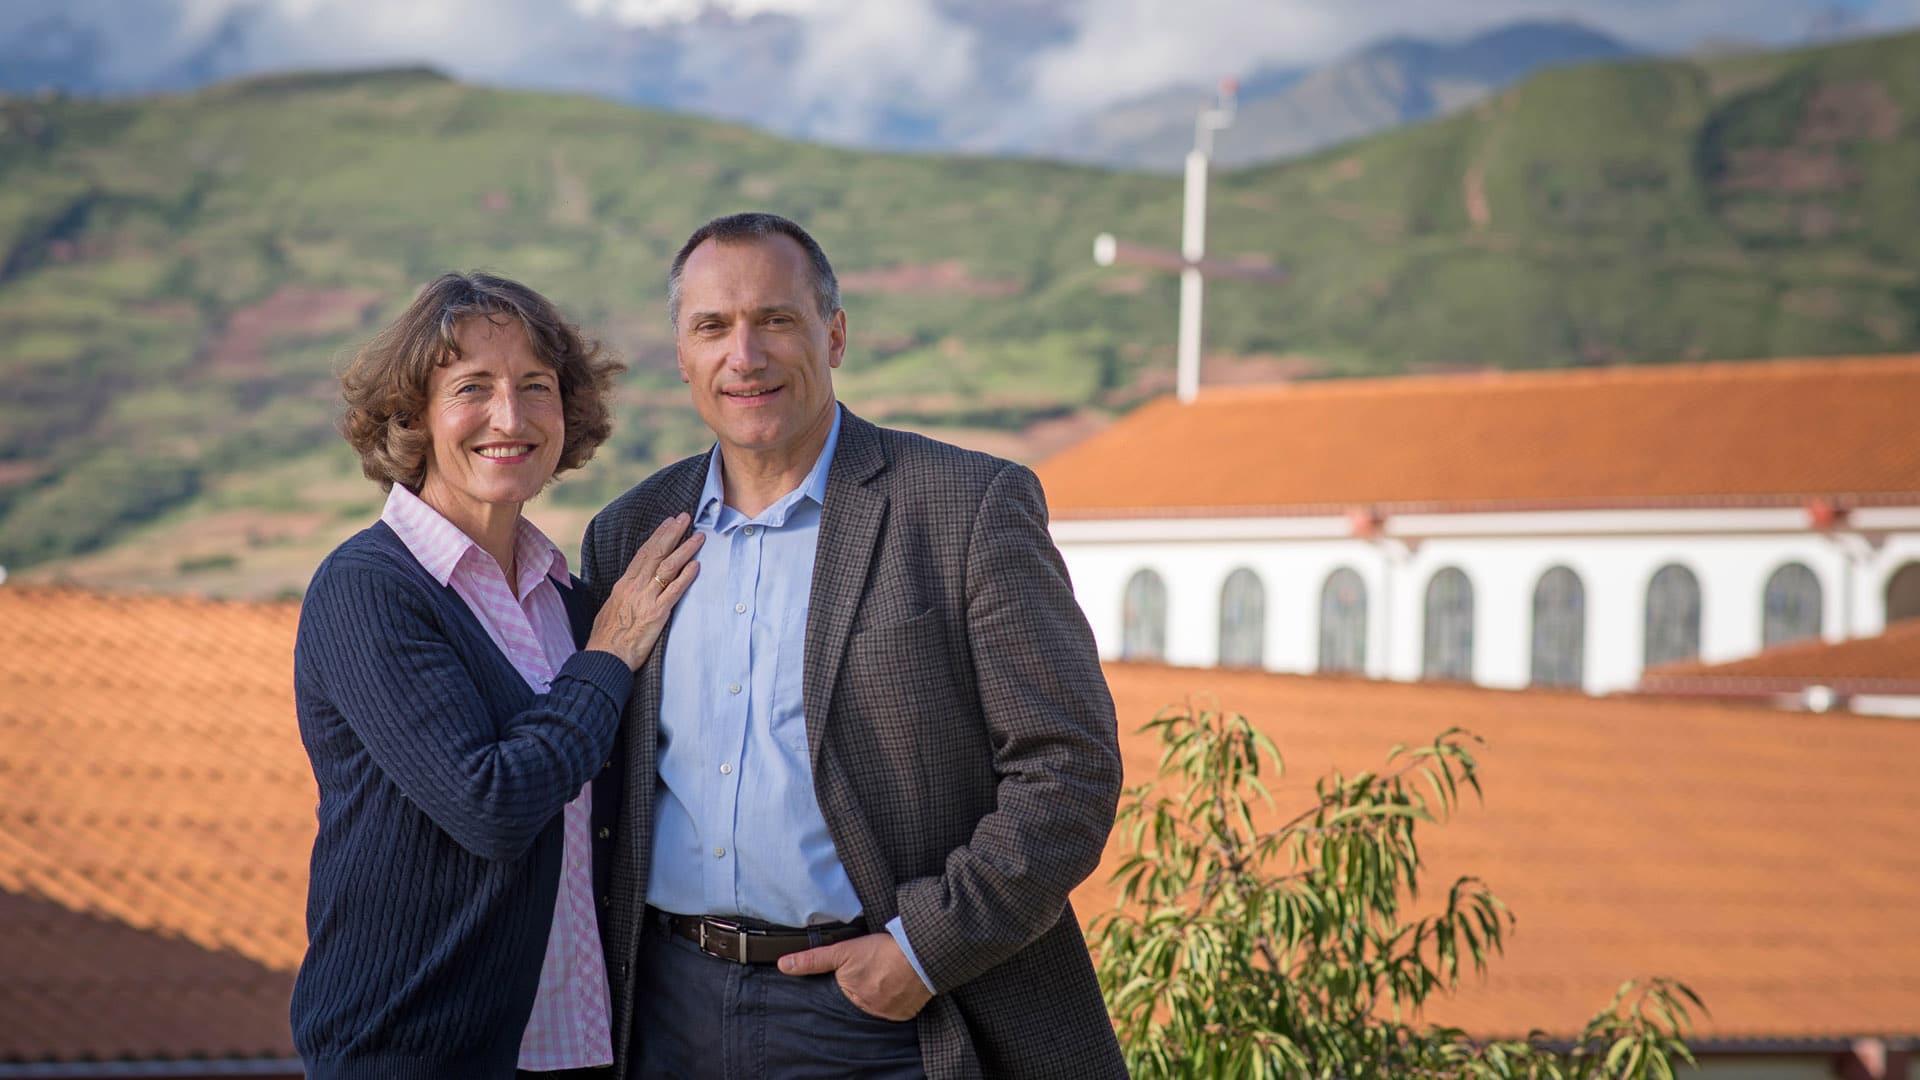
[[657, 581]]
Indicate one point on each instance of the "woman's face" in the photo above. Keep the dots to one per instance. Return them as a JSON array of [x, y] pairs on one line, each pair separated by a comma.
[[495, 421]]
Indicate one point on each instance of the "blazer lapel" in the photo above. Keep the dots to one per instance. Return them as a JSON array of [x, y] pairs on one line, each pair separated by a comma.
[[850, 522], [680, 494], [640, 735]]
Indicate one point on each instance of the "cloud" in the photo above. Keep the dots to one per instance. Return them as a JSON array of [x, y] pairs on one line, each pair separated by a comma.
[[164, 44], [1125, 48], [897, 72], [863, 68], [653, 13]]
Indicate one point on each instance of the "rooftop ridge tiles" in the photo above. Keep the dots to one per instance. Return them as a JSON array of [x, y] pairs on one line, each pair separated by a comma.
[[1779, 433], [124, 597], [1843, 500], [1900, 633], [1502, 379]]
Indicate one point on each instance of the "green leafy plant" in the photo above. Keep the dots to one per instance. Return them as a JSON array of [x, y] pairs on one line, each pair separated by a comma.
[[1243, 951]]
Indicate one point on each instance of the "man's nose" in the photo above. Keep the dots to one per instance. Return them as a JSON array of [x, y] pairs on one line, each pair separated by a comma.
[[743, 348]]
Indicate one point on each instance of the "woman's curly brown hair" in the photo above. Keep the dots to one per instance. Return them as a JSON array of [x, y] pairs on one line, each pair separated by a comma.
[[385, 384]]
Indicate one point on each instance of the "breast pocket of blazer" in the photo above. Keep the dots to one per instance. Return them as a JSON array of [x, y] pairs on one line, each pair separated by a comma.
[[899, 670]]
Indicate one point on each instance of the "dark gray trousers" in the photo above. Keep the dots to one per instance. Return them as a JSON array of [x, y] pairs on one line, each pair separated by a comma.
[[697, 1017]]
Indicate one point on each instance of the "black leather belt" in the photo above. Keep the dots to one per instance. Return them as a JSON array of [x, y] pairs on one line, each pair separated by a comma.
[[746, 942]]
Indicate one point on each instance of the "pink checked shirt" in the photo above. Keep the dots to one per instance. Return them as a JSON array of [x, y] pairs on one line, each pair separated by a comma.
[[569, 1028]]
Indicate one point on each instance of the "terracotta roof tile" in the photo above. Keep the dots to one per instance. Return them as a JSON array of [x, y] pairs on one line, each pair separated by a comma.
[[1769, 861], [1767, 432], [80, 988], [150, 767], [151, 774], [1888, 663]]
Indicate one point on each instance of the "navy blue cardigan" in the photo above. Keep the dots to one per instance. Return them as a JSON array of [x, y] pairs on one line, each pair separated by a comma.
[[441, 779]]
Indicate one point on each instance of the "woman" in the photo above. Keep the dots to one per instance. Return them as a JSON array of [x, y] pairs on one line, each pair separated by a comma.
[[452, 725]]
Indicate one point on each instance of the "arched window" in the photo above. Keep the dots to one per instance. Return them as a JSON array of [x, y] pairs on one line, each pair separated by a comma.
[[1673, 616], [1243, 620], [1791, 609], [1343, 622], [1903, 593], [1559, 629], [1449, 644], [1143, 618]]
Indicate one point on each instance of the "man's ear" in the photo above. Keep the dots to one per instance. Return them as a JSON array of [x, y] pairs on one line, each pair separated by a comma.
[[837, 338]]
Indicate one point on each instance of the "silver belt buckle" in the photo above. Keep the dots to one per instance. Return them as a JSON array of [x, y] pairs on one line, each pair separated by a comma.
[[739, 937]]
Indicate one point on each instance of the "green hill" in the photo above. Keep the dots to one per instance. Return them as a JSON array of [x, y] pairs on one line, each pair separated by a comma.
[[179, 275]]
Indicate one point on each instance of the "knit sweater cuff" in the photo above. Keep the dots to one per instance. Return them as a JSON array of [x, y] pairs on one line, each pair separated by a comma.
[[603, 671]]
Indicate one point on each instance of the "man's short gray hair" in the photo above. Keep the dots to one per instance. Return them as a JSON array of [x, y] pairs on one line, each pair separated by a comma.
[[736, 228]]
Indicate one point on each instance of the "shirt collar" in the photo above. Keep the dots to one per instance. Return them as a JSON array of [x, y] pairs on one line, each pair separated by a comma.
[[814, 486], [440, 545], [536, 557]]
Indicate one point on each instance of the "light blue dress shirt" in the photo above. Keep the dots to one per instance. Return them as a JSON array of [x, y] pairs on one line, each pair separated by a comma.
[[737, 827]]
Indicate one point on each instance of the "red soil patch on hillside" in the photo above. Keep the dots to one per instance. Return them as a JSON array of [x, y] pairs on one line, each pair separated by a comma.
[[1843, 111], [1233, 369], [1792, 170], [19, 472], [1833, 115], [292, 311], [949, 276]]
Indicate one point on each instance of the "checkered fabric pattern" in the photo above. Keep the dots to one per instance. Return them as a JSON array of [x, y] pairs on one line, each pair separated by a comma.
[[961, 734]]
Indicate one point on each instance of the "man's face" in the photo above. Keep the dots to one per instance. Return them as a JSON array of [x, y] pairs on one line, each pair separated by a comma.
[[753, 345]]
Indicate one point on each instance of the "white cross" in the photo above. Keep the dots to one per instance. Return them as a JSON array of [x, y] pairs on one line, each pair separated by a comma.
[[1190, 260]]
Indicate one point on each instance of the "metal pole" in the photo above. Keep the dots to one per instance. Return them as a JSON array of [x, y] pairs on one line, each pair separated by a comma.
[[1193, 246]]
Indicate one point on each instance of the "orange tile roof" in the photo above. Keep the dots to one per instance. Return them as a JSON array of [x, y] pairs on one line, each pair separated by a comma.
[[1770, 862], [79, 988], [1888, 663], [151, 774], [1771, 432]]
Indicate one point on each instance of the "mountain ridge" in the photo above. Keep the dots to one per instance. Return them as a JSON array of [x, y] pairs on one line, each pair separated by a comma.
[[1286, 113], [181, 275]]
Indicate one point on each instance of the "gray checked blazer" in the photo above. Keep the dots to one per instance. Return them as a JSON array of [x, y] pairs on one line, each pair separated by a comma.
[[962, 740]]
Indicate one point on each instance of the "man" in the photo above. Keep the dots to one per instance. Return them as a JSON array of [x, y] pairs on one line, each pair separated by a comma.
[[875, 750]]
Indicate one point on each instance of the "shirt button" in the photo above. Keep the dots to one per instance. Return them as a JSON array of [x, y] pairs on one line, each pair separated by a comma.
[[739, 609], [726, 769], [748, 530], [733, 688], [719, 853]]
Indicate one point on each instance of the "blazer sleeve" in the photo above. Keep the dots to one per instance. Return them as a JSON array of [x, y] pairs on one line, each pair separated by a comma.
[[384, 664], [1051, 721], [597, 572]]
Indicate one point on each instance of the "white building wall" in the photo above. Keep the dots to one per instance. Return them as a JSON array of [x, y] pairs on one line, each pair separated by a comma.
[[1780, 1067], [1885, 705], [1615, 554]]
